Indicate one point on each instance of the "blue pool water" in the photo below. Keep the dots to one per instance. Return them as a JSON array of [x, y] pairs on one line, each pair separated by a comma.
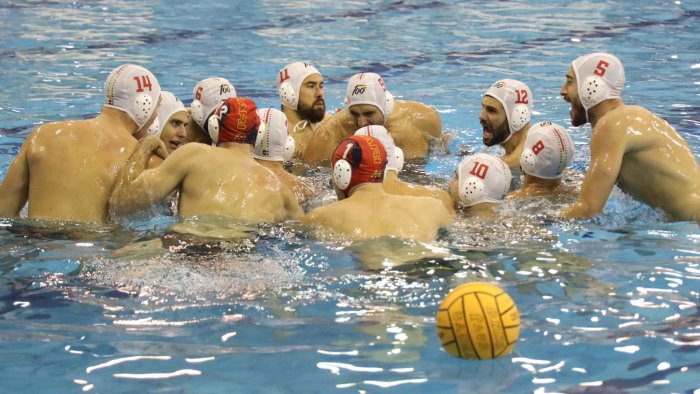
[[607, 305]]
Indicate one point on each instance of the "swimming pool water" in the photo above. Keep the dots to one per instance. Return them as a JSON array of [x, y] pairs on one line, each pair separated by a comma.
[[607, 305]]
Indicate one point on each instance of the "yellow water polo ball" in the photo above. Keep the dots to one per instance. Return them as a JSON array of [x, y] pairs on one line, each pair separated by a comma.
[[478, 321]]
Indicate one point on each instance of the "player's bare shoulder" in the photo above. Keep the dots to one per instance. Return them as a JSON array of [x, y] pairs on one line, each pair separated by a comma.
[[54, 135], [196, 148], [424, 116], [53, 130], [340, 123]]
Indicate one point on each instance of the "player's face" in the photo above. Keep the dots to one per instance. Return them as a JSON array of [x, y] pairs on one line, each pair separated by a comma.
[[569, 91], [174, 132], [366, 115], [312, 105], [493, 121]]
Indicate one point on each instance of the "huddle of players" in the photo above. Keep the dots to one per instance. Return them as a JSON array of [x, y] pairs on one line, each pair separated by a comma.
[[241, 175]]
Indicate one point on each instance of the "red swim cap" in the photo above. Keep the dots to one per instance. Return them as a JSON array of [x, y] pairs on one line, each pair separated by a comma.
[[238, 121], [358, 160]]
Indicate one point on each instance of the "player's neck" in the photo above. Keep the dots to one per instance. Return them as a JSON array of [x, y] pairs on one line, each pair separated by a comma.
[[292, 116], [244, 149], [118, 121], [540, 184], [199, 135], [482, 209], [516, 139], [599, 110], [367, 188], [391, 177]]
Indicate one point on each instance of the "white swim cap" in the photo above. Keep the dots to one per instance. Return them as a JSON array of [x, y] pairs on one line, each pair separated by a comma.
[[516, 99], [369, 88], [394, 154], [273, 142], [169, 106], [206, 97], [548, 150], [482, 178], [134, 90], [600, 76], [154, 128], [289, 82]]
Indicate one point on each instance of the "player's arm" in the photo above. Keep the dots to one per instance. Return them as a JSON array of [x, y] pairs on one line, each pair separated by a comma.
[[427, 123], [607, 151], [446, 200], [14, 190], [316, 216], [411, 139], [304, 190], [291, 203], [137, 188], [427, 119], [443, 216], [327, 136]]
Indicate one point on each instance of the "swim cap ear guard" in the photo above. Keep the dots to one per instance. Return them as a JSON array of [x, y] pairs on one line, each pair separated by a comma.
[[472, 191], [143, 108], [154, 128], [399, 158], [212, 126], [289, 148], [593, 90], [198, 113], [287, 94], [389, 104], [528, 161], [342, 170], [519, 117]]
